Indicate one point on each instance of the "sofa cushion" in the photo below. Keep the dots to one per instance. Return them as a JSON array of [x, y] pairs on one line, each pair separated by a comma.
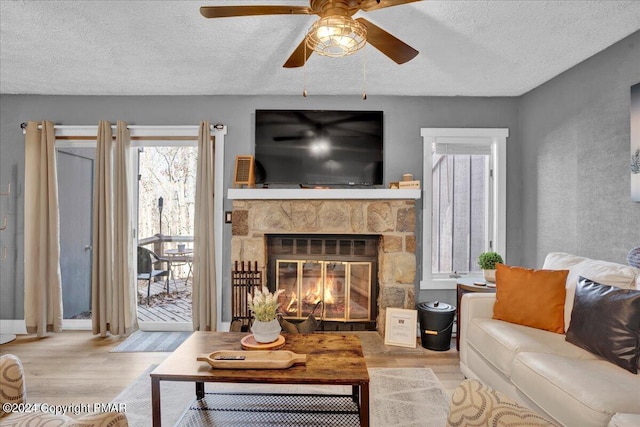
[[624, 420], [606, 321], [499, 342], [531, 297], [607, 273], [578, 392]]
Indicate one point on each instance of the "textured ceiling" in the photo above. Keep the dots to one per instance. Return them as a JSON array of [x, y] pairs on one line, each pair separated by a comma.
[[467, 48]]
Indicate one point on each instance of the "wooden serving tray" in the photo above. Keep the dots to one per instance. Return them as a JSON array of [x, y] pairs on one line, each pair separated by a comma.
[[249, 343], [281, 359]]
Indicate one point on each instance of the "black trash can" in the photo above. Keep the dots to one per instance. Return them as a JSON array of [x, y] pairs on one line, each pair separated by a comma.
[[436, 323]]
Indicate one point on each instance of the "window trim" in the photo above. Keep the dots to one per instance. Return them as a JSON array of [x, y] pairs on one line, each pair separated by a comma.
[[497, 138]]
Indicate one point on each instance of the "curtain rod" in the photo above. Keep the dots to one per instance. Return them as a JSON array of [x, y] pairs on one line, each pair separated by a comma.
[[217, 126]]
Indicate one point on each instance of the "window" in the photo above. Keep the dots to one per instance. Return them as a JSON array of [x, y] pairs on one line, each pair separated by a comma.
[[464, 204], [167, 172]]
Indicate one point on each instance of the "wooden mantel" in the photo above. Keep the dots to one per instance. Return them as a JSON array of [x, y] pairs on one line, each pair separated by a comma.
[[321, 194]]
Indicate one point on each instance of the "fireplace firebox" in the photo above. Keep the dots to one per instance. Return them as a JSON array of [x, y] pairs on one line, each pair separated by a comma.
[[338, 270]]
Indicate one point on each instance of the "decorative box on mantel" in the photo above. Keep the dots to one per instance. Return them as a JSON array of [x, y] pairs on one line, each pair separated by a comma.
[[387, 213]]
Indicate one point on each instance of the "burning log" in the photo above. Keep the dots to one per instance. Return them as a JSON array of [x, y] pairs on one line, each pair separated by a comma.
[[292, 306]]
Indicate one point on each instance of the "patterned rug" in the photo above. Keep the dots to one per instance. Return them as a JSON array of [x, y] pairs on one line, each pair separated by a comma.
[[407, 397], [151, 341]]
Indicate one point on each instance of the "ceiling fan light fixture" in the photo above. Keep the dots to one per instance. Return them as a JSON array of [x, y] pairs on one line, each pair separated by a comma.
[[336, 36]]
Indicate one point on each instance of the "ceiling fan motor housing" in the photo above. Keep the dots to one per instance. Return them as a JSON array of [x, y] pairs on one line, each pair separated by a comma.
[[336, 36]]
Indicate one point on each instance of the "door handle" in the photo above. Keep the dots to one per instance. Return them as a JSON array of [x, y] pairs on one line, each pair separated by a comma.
[[88, 247]]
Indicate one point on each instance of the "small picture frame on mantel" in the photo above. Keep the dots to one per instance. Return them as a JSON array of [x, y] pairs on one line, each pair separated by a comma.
[[401, 327]]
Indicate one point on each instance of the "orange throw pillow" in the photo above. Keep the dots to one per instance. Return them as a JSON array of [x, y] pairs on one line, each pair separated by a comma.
[[532, 298]]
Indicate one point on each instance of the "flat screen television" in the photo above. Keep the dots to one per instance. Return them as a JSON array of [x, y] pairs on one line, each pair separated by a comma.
[[312, 147]]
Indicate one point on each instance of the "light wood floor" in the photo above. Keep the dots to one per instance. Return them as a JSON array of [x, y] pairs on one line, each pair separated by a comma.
[[76, 367]]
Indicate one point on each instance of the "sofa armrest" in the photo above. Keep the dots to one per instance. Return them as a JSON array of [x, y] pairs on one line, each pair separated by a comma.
[[477, 305], [624, 420], [99, 419], [12, 381], [472, 305]]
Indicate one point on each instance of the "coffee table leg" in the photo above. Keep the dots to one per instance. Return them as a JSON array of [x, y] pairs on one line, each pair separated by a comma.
[[364, 405], [355, 393], [155, 402], [199, 391]]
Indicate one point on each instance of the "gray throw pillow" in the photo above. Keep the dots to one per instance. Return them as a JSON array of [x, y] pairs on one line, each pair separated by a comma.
[[606, 321]]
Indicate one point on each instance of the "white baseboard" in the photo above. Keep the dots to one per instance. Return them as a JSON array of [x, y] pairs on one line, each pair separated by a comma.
[[18, 326], [76, 325], [13, 326]]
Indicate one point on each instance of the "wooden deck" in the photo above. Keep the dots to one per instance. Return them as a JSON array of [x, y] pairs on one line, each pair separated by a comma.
[[172, 307]]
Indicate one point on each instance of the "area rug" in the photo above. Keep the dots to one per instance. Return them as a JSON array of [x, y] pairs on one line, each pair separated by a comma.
[[141, 341], [407, 397]]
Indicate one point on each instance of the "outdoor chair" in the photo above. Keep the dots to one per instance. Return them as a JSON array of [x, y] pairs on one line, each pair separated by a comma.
[[146, 271]]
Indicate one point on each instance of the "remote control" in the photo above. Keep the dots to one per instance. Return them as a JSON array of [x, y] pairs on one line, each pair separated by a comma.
[[228, 358]]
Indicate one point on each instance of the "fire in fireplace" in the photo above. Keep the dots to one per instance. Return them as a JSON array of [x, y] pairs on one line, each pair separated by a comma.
[[339, 271]]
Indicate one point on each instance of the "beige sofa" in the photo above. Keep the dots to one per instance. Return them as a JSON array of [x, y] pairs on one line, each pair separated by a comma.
[[569, 385], [16, 412]]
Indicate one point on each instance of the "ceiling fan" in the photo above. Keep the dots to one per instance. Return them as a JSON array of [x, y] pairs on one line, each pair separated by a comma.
[[335, 33]]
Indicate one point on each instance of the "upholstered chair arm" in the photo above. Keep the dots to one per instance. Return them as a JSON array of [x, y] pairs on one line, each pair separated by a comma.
[[12, 387], [101, 419]]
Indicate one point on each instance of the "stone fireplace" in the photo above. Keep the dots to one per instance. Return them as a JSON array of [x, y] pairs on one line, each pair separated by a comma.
[[391, 222]]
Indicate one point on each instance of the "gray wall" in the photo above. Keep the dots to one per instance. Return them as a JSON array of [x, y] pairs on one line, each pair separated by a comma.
[[404, 116], [568, 154], [576, 156]]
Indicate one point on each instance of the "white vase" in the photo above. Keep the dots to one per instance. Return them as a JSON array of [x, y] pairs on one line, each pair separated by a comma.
[[265, 332], [490, 275]]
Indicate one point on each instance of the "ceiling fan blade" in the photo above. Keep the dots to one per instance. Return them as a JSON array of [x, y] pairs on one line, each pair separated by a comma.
[[368, 5], [288, 138], [393, 47], [228, 11], [298, 57]]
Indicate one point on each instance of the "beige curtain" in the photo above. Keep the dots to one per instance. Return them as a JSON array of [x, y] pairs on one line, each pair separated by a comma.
[[204, 268], [125, 318], [113, 305], [42, 282]]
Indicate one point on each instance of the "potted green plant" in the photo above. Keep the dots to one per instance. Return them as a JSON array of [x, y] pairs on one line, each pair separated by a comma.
[[487, 262], [264, 308]]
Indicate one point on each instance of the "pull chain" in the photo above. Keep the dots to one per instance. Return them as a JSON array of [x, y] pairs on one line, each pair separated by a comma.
[[304, 70], [364, 74]]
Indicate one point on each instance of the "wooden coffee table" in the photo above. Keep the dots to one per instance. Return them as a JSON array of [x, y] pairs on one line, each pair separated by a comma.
[[332, 359]]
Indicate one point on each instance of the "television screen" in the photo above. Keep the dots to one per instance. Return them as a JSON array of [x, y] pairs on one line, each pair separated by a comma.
[[305, 147]]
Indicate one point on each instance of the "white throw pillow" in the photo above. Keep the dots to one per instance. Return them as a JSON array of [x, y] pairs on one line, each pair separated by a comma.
[[605, 272]]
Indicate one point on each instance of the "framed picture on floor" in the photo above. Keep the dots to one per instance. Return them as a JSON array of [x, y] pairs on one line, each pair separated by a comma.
[[401, 327], [635, 142]]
